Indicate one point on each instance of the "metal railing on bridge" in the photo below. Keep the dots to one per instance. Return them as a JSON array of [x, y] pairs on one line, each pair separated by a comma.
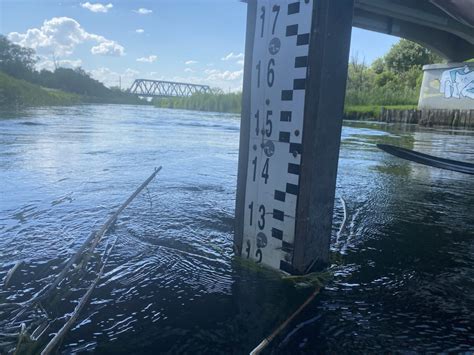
[[159, 88]]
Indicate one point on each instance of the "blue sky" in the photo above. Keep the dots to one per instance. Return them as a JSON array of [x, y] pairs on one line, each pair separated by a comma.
[[199, 41]]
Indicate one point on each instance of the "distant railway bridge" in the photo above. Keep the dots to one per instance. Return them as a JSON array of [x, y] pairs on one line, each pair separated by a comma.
[[159, 88]]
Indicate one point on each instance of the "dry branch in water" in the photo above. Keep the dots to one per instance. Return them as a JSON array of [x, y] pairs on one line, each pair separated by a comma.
[[76, 259]]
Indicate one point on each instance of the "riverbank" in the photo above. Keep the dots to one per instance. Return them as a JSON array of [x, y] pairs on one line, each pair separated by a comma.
[[407, 114], [16, 92], [446, 118], [216, 102], [411, 115], [371, 112], [232, 103]]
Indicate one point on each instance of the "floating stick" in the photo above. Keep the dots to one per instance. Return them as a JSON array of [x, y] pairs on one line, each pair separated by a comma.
[[59, 335], [112, 219], [21, 336], [11, 272], [283, 325], [92, 240], [75, 314], [39, 331]]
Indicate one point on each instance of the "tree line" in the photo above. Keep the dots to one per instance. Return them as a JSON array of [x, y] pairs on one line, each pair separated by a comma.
[[392, 80], [19, 63]]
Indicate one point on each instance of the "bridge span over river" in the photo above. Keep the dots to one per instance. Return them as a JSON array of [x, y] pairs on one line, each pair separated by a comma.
[[160, 88]]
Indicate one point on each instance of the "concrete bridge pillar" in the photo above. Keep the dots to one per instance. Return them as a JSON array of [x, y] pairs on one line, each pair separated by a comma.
[[294, 84]]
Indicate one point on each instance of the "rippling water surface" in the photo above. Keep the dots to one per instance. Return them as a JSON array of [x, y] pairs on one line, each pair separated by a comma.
[[403, 265]]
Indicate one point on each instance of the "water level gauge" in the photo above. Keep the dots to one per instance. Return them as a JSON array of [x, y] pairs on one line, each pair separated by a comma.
[[278, 82]]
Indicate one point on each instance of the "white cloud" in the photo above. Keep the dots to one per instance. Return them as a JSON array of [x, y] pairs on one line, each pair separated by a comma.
[[98, 7], [226, 75], [225, 80], [240, 62], [131, 72], [188, 70], [112, 78], [143, 11], [109, 48], [210, 71], [149, 59], [61, 35], [140, 30], [153, 75], [232, 56], [190, 62]]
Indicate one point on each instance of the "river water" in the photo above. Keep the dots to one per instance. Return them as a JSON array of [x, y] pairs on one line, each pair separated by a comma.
[[403, 267]]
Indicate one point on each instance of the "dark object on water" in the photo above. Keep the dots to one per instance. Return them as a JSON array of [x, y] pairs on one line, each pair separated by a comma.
[[425, 159]]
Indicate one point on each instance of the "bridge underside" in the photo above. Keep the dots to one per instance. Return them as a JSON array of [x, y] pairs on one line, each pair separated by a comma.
[[446, 27]]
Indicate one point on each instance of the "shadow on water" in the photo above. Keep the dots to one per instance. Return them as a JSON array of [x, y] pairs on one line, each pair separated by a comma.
[[403, 265]]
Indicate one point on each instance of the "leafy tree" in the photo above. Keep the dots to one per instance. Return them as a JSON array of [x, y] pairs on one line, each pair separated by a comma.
[[393, 79], [78, 81], [359, 80], [15, 60], [384, 77], [406, 54], [378, 65]]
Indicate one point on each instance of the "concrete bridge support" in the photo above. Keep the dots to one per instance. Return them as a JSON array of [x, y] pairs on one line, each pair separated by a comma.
[[294, 85]]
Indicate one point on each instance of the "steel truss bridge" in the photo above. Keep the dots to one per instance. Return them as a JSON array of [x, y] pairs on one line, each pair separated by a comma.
[[158, 88]]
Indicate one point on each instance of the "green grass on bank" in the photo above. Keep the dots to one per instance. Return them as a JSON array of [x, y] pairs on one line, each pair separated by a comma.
[[15, 92], [231, 103]]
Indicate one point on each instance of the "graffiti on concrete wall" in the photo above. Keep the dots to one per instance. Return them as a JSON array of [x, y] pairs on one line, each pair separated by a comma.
[[457, 83]]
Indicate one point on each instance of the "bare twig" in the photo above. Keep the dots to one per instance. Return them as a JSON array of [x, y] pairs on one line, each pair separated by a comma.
[[10, 273], [91, 241], [283, 325], [21, 336], [62, 332]]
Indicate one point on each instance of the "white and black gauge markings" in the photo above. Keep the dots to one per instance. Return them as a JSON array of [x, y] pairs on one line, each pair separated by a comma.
[[279, 69]]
